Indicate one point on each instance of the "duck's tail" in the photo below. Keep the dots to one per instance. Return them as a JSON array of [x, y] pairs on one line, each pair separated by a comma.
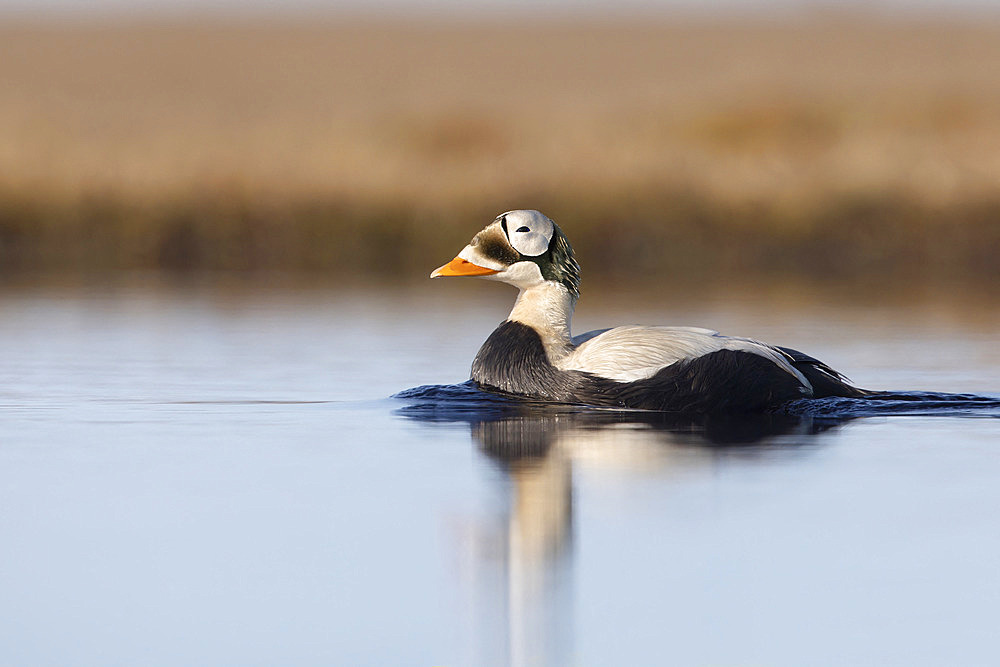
[[828, 383], [825, 381]]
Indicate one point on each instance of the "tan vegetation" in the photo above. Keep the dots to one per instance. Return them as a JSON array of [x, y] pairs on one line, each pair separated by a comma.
[[828, 147]]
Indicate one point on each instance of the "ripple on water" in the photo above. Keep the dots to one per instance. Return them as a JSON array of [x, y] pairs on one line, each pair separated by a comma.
[[467, 403]]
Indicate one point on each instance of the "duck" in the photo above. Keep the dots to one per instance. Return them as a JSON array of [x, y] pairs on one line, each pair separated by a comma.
[[534, 355]]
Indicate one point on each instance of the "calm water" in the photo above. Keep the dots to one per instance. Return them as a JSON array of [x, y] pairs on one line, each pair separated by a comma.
[[220, 477]]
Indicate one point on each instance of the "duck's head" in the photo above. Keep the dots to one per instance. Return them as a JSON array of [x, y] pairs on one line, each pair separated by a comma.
[[521, 248]]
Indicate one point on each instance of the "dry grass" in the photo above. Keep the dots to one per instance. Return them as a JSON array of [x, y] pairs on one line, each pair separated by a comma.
[[808, 146]]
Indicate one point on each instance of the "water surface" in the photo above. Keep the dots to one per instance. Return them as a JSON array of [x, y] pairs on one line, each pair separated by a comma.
[[208, 476]]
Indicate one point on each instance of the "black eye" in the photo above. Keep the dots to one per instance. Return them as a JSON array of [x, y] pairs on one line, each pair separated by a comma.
[[522, 229]]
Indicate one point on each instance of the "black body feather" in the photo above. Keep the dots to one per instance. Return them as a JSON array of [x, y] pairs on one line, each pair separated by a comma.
[[513, 361], [825, 381]]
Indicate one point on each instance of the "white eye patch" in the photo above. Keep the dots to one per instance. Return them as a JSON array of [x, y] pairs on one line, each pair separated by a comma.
[[529, 232]]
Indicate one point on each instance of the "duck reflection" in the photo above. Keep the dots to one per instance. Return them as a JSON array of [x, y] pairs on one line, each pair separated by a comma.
[[537, 565], [522, 579]]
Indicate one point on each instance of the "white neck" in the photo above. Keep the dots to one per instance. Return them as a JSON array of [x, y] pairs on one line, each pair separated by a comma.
[[547, 308]]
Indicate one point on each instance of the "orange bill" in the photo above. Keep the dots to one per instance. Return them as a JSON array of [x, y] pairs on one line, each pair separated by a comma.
[[461, 267]]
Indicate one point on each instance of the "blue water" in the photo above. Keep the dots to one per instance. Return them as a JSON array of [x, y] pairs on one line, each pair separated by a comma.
[[223, 476]]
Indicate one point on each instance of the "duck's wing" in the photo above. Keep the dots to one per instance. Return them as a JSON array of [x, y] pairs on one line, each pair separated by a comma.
[[630, 353], [580, 339]]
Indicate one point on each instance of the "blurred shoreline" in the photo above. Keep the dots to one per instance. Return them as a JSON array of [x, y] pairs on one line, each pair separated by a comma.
[[845, 149]]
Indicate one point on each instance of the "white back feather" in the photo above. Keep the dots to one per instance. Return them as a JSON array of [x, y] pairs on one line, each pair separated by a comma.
[[630, 353]]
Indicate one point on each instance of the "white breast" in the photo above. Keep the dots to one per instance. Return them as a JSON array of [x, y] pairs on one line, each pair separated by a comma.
[[630, 353]]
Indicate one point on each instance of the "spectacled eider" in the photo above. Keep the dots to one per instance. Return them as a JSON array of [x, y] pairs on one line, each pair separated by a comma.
[[672, 369]]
